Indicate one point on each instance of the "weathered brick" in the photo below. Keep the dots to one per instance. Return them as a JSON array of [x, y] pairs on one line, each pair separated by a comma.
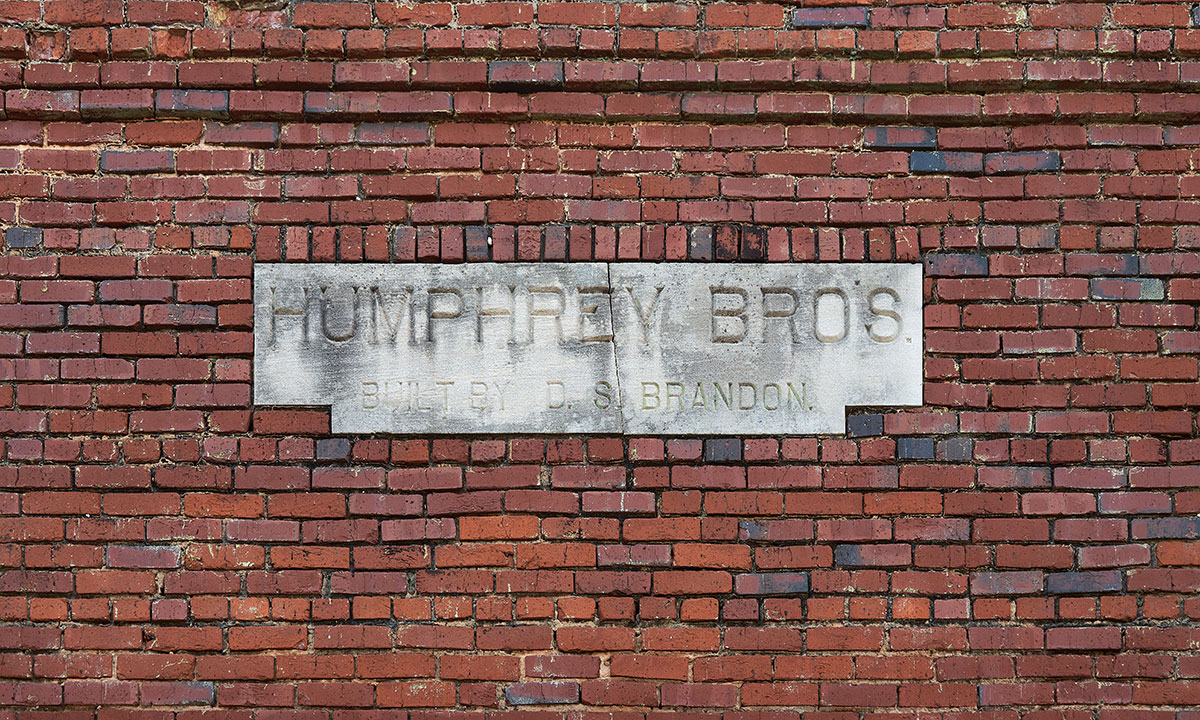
[[1024, 542], [945, 162], [542, 693], [1022, 162], [22, 237], [900, 137], [829, 17], [772, 584]]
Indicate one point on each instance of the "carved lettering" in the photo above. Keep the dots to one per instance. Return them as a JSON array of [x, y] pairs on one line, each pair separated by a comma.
[[594, 326], [798, 395], [888, 312], [649, 392], [479, 395], [728, 314], [381, 317], [771, 395], [645, 309], [674, 392], [505, 311], [444, 387], [521, 315], [654, 349], [725, 394], [780, 303], [604, 395], [442, 304], [349, 322], [556, 394], [722, 396], [831, 314], [278, 310], [551, 306], [746, 402]]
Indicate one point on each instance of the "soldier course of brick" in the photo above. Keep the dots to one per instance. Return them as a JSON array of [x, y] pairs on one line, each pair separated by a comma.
[[1024, 545]]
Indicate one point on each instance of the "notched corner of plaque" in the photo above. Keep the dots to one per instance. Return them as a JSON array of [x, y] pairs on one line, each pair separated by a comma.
[[342, 420], [386, 365]]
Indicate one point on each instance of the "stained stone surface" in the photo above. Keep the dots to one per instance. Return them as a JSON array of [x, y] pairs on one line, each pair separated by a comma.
[[764, 349], [545, 348], [439, 349]]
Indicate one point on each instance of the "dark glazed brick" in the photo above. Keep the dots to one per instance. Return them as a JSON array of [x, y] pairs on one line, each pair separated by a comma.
[[1165, 528], [137, 161], [883, 555], [1107, 265], [192, 103], [178, 693], [248, 133], [848, 555], [940, 161], [955, 449], [134, 290], [1126, 289], [784, 583], [476, 241], [754, 243], [752, 530], [723, 450], [1006, 583], [700, 243], [404, 243], [900, 137], [727, 242], [22, 237], [864, 425], [1021, 162], [1039, 238], [554, 243], [953, 265], [1083, 583], [333, 449], [829, 17], [542, 693], [908, 448], [519, 74], [393, 134]]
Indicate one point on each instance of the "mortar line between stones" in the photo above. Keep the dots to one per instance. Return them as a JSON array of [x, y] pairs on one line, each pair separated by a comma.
[[612, 317]]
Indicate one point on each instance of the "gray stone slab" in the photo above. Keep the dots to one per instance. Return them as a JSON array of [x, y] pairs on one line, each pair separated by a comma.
[[439, 349], [549, 348], [764, 349]]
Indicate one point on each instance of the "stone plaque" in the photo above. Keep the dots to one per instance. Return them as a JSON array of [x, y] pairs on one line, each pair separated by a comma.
[[439, 349], [763, 349], [548, 348]]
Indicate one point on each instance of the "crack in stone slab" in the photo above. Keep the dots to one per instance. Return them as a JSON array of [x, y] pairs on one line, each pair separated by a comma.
[[612, 317]]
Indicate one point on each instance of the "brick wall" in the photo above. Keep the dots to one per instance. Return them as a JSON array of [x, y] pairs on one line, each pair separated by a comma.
[[1023, 546]]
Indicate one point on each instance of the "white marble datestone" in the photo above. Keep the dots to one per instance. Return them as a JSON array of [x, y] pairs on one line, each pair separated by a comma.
[[598, 348]]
